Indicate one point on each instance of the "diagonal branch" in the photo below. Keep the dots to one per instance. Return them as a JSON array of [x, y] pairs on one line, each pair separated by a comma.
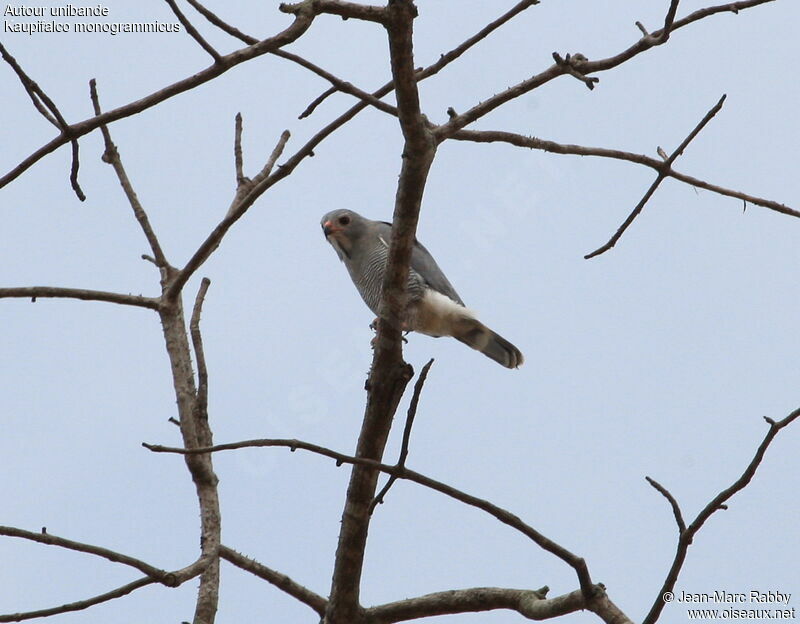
[[50, 112], [338, 83], [717, 503], [158, 575], [112, 157], [80, 604], [246, 195], [662, 174], [584, 68], [54, 292], [506, 517], [676, 509], [279, 580], [178, 577], [492, 136], [303, 19], [193, 31], [411, 414], [669, 19], [214, 19], [444, 59]]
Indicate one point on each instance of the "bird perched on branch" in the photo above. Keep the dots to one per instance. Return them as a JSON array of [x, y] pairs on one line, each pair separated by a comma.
[[434, 307]]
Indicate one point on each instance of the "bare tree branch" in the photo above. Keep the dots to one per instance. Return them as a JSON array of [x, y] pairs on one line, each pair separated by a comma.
[[669, 19], [506, 517], [37, 95], [196, 432], [491, 136], [303, 19], [53, 292], [80, 604], [50, 112], [532, 605], [663, 172], [389, 374], [193, 31], [584, 68], [238, 160], [444, 59], [262, 175], [199, 354], [173, 579], [161, 576], [222, 25], [279, 580], [676, 510], [112, 157], [717, 503], [317, 101], [338, 83], [569, 64], [344, 9], [244, 198], [411, 414]]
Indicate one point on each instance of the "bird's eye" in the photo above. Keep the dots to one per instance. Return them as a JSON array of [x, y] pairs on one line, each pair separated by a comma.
[[344, 220]]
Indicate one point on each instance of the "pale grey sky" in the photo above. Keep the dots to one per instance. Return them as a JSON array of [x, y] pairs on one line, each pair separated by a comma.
[[659, 358]]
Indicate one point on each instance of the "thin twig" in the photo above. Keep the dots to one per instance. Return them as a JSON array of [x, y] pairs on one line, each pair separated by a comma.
[[669, 19], [338, 83], [663, 173], [199, 354], [176, 578], [585, 68], [35, 93], [80, 604], [55, 292], [444, 59], [317, 101], [243, 199], [676, 510], [291, 33], [717, 503], [238, 160], [506, 517], [161, 576], [491, 136], [112, 157], [50, 112], [193, 31], [273, 158], [279, 580], [257, 48], [410, 415], [219, 23]]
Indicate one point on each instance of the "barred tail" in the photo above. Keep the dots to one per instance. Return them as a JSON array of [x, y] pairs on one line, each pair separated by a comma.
[[476, 335]]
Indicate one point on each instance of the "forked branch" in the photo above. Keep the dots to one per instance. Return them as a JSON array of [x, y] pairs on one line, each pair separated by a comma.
[[504, 516], [494, 136], [717, 503], [662, 174]]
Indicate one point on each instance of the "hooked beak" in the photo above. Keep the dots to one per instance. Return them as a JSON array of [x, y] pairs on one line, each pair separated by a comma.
[[328, 228]]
